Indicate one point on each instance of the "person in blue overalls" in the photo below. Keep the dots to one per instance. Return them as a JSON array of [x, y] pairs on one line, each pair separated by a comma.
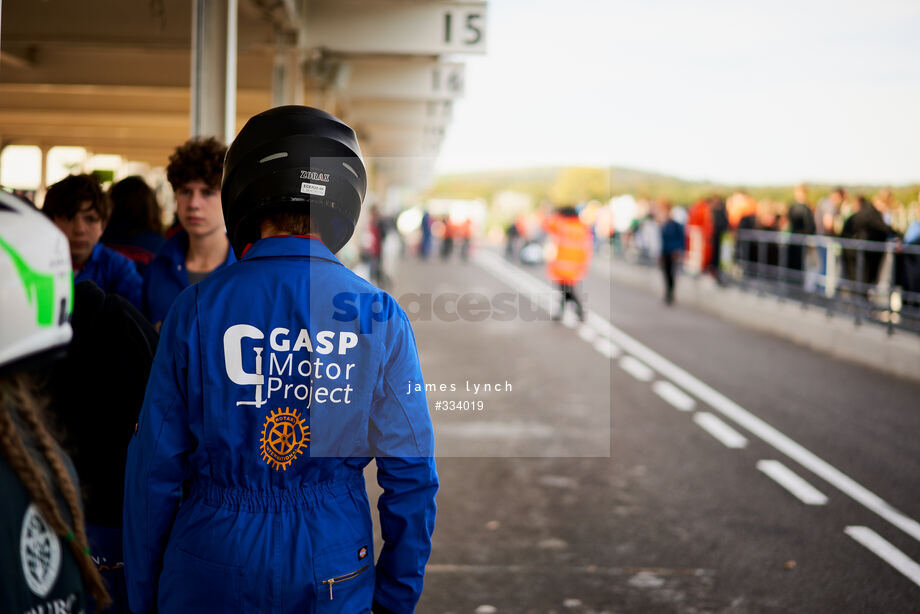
[[78, 206], [277, 379], [201, 246]]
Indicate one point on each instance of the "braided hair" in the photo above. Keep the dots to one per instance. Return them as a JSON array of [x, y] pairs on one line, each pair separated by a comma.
[[17, 395]]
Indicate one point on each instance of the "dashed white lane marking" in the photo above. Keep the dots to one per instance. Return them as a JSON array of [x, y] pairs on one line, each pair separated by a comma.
[[788, 479], [673, 395], [587, 333], [605, 347], [636, 369], [715, 399], [729, 437], [884, 550], [761, 429]]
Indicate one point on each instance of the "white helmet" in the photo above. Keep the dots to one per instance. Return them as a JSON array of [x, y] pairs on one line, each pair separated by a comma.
[[36, 282]]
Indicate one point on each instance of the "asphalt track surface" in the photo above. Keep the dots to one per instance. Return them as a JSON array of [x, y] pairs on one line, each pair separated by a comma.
[[655, 459]]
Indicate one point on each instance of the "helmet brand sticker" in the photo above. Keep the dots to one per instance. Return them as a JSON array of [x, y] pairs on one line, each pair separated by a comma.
[[313, 188], [315, 176]]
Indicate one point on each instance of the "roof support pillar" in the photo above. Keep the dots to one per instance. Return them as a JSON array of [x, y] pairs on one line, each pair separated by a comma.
[[287, 75], [213, 69]]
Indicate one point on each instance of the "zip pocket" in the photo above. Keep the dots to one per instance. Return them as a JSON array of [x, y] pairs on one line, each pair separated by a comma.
[[346, 577]]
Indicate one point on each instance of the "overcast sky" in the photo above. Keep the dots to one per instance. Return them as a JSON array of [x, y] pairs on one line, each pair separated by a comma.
[[731, 91]]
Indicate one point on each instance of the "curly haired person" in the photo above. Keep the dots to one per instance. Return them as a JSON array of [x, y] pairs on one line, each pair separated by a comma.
[[201, 247]]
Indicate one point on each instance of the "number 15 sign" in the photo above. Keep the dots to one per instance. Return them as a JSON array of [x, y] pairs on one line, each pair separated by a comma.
[[400, 27]]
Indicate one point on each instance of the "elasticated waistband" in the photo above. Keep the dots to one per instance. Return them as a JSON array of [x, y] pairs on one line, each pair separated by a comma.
[[275, 499]]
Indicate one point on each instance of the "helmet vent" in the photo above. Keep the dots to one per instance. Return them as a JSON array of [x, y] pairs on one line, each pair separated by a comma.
[[275, 156], [353, 172]]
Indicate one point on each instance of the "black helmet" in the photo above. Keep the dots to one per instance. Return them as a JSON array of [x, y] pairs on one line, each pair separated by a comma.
[[293, 158]]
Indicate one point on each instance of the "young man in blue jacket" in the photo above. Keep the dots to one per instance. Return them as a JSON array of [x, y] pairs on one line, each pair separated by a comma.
[[78, 206], [276, 380], [201, 246]]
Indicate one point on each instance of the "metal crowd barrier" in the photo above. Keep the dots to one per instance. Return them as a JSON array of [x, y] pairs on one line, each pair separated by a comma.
[[866, 280]]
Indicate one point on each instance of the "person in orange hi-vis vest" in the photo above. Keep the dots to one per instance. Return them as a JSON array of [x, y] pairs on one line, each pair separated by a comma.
[[570, 254]]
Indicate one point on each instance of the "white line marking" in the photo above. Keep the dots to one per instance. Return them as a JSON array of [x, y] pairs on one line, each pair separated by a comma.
[[765, 432], [673, 395], [636, 369], [725, 406], [721, 431], [883, 548], [785, 477], [508, 273], [587, 333], [605, 347]]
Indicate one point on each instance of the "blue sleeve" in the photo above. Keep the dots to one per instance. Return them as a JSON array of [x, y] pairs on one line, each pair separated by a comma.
[[157, 291], [157, 463], [145, 291], [403, 440], [125, 280]]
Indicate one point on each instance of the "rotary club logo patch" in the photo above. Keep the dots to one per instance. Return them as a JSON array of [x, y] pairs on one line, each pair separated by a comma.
[[284, 437]]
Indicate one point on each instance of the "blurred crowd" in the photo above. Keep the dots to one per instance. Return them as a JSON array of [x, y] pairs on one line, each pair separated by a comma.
[[712, 235], [838, 214], [118, 239]]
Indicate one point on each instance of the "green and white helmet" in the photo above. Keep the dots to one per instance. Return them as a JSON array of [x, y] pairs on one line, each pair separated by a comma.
[[36, 282]]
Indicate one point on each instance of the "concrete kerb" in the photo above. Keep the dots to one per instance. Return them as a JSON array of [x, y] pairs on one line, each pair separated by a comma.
[[837, 336]]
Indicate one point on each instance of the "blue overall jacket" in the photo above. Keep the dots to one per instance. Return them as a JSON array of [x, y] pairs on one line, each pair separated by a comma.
[[275, 382], [113, 273], [166, 276]]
